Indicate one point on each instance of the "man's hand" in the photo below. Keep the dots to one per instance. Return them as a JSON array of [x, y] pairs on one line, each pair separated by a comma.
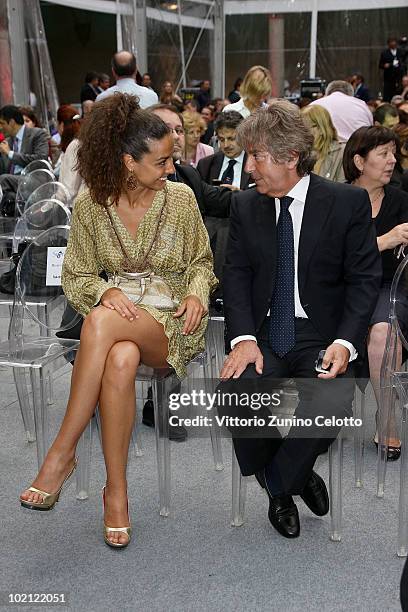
[[338, 356], [243, 353], [4, 147], [194, 313]]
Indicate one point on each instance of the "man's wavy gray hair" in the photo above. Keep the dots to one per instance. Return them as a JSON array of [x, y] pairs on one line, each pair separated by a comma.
[[280, 130]]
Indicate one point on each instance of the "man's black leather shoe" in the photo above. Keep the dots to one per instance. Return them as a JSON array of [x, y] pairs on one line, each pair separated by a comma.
[[177, 433], [283, 513], [315, 495]]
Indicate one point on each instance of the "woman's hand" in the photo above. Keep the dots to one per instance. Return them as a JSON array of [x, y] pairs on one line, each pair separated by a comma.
[[194, 313], [398, 235], [115, 299]]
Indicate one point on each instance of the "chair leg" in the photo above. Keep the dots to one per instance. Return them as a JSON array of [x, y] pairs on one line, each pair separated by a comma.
[[40, 412], [43, 316], [387, 410], [209, 369], [161, 389], [403, 496], [238, 493], [83, 471], [24, 403], [335, 487], [135, 442], [359, 413]]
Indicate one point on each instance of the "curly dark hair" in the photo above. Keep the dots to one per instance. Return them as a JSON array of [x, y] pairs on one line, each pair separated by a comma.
[[117, 125]]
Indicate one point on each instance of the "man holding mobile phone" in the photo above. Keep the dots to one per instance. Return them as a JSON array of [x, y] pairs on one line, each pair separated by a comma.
[[302, 275]]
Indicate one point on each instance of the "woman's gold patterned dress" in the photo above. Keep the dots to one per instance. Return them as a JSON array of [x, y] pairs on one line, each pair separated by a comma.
[[182, 257]]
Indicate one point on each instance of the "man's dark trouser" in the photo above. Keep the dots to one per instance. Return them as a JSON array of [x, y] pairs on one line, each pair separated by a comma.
[[289, 461]]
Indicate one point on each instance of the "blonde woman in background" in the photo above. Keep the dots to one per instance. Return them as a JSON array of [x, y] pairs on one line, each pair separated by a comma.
[[328, 149], [194, 128], [256, 88]]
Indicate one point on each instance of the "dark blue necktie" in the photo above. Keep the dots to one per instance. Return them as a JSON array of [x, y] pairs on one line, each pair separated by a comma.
[[228, 174], [282, 311]]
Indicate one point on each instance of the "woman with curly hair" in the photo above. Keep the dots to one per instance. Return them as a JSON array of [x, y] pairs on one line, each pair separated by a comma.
[[130, 220]]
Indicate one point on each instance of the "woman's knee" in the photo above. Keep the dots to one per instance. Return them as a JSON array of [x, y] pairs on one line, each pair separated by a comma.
[[377, 336], [96, 321], [122, 361]]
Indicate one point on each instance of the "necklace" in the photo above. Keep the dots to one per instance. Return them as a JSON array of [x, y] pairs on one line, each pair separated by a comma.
[[377, 197]]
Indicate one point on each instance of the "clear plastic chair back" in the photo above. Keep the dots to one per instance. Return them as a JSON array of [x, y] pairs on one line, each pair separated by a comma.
[[399, 302], [50, 191], [28, 184], [39, 278], [37, 164], [37, 218]]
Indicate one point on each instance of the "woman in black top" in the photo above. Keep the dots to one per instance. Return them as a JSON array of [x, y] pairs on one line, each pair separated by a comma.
[[369, 160]]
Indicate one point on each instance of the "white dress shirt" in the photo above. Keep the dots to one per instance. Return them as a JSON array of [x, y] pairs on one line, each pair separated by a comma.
[[19, 137], [147, 97], [237, 168], [298, 193]]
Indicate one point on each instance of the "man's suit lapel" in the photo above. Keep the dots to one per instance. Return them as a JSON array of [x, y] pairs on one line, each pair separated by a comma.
[[316, 211], [216, 166], [266, 233]]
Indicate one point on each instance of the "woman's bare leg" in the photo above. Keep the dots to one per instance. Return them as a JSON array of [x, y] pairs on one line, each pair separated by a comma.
[[101, 330], [117, 411], [376, 347]]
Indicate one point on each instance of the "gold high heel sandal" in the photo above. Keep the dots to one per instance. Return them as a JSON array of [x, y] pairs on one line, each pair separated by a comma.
[[48, 499], [108, 530]]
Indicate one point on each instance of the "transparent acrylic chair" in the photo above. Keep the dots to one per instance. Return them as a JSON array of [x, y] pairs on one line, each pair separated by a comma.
[[28, 184], [38, 355], [394, 390], [37, 164], [163, 382], [50, 191]]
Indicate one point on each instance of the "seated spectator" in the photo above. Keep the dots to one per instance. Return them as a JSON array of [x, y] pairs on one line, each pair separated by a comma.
[[208, 116], [68, 173], [124, 70], [147, 81], [194, 126], [86, 107], [89, 90], [256, 88], [191, 106], [326, 145], [347, 112], [204, 95], [386, 115], [397, 100], [235, 94], [158, 222], [104, 82], [21, 146], [404, 84], [361, 90], [227, 165], [65, 116], [167, 95], [369, 161], [30, 118]]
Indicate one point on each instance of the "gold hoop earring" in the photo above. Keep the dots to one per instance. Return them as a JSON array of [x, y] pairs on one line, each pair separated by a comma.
[[131, 182]]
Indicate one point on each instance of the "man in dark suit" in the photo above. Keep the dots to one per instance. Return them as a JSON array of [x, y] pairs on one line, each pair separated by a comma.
[[391, 61], [302, 275], [361, 90], [227, 165], [21, 146]]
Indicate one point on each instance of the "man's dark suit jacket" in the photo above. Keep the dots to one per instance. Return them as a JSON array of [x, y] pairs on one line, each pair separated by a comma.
[[212, 201], [363, 93], [210, 168], [391, 72], [339, 266], [34, 146]]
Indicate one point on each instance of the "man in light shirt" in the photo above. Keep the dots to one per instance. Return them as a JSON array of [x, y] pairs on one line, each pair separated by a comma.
[[302, 276], [347, 112], [227, 165], [124, 72]]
